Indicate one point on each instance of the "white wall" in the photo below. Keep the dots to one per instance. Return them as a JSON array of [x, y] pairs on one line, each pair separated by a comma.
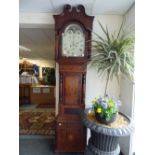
[[57, 88], [130, 18], [127, 90], [36, 20]]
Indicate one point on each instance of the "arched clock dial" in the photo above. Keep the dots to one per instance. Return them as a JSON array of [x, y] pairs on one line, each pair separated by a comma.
[[73, 41]]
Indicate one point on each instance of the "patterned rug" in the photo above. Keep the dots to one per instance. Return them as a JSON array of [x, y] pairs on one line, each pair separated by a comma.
[[46, 105], [37, 122]]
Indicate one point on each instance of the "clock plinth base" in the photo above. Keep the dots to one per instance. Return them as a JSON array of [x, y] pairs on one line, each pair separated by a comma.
[[67, 135]]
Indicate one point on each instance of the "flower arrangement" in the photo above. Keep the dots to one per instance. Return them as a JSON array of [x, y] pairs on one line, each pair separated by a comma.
[[106, 107], [113, 55]]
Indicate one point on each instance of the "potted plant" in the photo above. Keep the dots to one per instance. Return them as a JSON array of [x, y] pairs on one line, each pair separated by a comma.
[[106, 109], [113, 55]]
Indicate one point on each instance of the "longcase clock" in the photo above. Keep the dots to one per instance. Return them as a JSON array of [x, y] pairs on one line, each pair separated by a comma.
[[72, 51]]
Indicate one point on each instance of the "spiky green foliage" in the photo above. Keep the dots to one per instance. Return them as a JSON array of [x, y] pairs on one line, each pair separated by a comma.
[[113, 53]]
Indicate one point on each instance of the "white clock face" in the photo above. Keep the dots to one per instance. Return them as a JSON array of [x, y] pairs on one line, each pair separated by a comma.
[[73, 41]]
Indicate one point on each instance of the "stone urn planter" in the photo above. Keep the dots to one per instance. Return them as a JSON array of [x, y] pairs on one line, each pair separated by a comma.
[[104, 138]]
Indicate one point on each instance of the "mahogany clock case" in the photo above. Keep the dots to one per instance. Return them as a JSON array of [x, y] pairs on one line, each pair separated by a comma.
[[70, 133]]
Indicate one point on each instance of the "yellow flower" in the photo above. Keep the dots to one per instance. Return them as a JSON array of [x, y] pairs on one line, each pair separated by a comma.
[[111, 104], [98, 110]]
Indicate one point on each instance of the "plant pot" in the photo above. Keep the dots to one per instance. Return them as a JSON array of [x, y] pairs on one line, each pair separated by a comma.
[[104, 140], [101, 118]]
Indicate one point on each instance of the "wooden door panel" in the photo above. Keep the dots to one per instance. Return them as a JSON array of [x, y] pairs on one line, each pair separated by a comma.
[[71, 137], [75, 136], [61, 135], [72, 88]]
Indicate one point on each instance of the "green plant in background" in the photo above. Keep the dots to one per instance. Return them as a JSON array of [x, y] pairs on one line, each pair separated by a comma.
[[113, 54], [106, 106]]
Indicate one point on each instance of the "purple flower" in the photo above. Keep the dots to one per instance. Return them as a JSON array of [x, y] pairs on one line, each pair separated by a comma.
[[105, 105], [101, 100]]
